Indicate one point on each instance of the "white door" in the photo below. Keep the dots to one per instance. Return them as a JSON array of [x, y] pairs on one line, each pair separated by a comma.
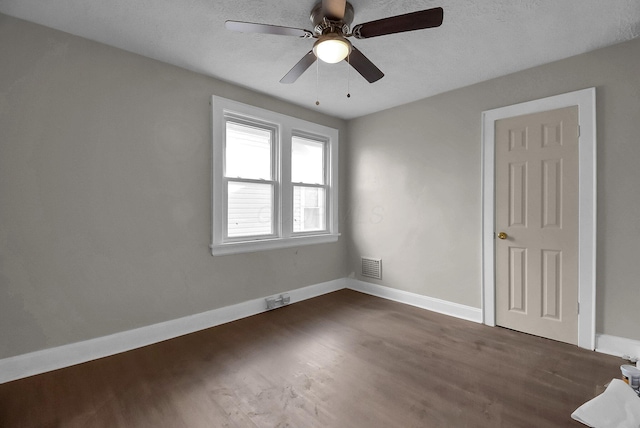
[[537, 223]]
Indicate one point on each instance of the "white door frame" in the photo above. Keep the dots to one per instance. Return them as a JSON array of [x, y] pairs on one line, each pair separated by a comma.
[[586, 101]]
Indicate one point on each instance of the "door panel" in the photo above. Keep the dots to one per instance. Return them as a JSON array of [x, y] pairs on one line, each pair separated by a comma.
[[551, 284], [517, 196], [551, 193], [518, 279], [537, 208]]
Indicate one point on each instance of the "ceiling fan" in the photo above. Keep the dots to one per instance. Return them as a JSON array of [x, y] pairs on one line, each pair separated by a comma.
[[331, 20]]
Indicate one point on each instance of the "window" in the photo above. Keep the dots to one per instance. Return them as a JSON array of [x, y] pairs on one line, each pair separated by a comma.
[[248, 174], [308, 175], [275, 180]]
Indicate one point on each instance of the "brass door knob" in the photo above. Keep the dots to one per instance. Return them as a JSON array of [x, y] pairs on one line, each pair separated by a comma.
[[502, 235]]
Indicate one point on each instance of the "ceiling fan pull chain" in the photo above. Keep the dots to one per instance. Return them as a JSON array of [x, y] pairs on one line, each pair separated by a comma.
[[348, 74], [317, 86]]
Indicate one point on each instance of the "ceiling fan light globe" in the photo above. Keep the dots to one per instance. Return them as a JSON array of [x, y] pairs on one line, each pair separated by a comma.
[[332, 48]]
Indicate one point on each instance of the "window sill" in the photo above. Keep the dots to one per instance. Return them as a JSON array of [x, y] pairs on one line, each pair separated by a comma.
[[270, 244]]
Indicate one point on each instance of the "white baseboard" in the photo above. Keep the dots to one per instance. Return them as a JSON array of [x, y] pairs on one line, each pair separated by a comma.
[[618, 346], [430, 303], [33, 363]]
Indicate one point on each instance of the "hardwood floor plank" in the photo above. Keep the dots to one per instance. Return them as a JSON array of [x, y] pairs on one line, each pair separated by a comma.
[[344, 360]]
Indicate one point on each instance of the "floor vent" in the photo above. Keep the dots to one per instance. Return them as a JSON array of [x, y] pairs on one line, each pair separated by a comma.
[[372, 267], [276, 302]]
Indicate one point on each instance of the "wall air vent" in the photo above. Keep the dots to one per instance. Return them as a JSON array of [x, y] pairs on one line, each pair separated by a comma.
[[372, 267]]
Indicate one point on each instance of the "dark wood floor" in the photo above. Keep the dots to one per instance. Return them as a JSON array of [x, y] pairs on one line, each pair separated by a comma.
[[341, 360]]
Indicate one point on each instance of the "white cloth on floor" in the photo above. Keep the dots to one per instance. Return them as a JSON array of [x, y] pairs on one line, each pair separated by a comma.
[[617, 407]]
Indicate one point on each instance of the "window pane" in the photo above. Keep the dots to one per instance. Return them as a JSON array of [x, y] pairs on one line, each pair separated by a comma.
[[247, 152], [307, 161], [250, 209], [309, 213]]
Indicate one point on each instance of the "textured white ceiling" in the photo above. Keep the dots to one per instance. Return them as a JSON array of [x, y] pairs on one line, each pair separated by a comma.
[[478, 40]]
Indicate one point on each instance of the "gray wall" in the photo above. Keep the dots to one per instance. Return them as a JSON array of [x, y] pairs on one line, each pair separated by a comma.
[[415, 183], [105, 190], [105, 195]]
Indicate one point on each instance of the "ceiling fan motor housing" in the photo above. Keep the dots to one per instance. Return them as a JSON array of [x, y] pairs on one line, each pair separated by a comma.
[[323, 25]]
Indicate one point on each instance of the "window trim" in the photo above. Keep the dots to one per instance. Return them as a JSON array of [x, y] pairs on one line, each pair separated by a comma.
[[285, 128]]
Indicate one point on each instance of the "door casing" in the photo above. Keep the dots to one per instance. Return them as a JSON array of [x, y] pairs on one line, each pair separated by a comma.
[[585, 99]]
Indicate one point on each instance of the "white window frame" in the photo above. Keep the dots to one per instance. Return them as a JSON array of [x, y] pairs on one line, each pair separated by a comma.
[[230, 117], [326, 178], [285, 127]]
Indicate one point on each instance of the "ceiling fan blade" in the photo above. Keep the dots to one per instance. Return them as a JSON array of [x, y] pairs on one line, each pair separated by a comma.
[[334, 9], [398, 24], [363, 66], [250, 27], [299, 68]]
